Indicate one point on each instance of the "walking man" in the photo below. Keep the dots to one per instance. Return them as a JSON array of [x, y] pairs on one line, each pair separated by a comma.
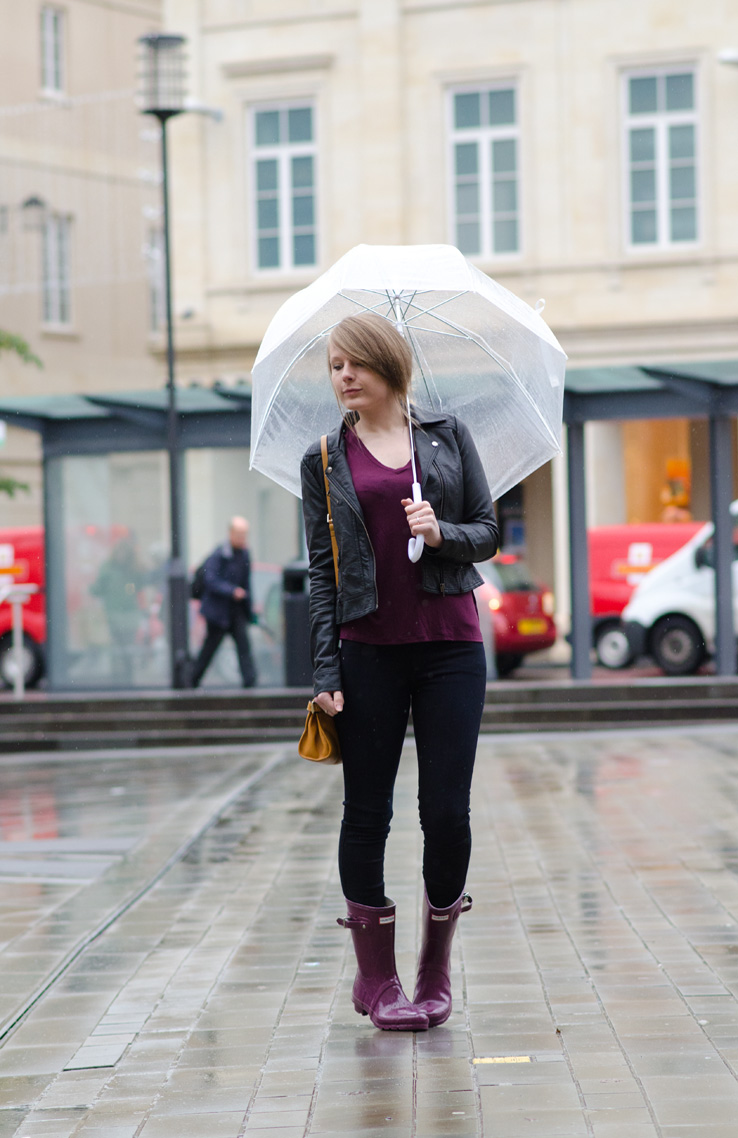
[[226, 602]]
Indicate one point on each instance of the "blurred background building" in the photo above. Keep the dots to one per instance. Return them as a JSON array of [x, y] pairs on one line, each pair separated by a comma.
[[583, 151], [80, 222]]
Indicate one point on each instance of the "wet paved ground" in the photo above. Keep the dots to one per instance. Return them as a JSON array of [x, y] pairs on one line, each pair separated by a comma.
[[170, 965]]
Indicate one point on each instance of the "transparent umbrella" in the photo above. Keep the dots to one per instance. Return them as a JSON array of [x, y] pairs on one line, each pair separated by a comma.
[[479, 352]]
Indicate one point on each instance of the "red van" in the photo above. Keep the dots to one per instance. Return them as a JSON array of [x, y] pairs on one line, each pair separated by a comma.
[[619, 556], [22, 561]]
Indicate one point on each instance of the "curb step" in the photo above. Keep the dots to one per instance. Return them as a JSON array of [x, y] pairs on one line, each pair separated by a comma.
[[179, 719]]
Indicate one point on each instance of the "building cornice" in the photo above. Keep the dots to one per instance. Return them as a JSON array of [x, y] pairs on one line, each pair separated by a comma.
[[272, 21], [650, 343], [246, 68], [149, 9]]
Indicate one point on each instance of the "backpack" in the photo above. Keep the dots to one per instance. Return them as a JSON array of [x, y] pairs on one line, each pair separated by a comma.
[[197, 584]]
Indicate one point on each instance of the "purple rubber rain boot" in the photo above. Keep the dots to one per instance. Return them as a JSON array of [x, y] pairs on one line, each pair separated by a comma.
[[433, 987], [377, 989]]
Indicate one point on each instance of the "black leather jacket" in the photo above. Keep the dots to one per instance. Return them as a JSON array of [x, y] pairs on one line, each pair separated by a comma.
[[452, 480]]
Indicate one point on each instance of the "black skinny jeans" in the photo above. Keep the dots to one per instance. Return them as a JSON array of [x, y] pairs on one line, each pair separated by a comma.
[[443, 682]]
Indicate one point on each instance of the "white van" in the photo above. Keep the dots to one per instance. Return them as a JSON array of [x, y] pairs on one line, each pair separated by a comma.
[[671, 614]]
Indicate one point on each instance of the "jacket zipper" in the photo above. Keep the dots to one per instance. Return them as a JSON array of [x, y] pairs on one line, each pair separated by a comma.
[[443, 489], [441, 582]]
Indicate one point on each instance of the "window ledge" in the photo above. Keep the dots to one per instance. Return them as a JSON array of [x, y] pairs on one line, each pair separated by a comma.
[[50, 95], [499, 260], [270, 281], [59, 332], [666, 253]]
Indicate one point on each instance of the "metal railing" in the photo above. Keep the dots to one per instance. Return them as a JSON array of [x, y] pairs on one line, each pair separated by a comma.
[[17, 596]]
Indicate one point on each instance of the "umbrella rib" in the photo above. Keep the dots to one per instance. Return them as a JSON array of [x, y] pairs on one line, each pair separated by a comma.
[[272, 399], [360, 304], [407, 320], [466, 334], [454, 331], [433, 307], [442, 332], [506, 367], [419, 361]]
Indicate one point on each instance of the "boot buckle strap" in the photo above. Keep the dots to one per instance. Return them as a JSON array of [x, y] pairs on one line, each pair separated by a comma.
[[358, 923], [466, 903]]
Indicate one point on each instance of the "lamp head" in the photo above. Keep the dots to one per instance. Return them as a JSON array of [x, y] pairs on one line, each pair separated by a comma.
[[162, 90]]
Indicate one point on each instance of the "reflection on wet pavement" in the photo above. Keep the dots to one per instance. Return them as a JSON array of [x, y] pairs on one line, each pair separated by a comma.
[[170, 964]]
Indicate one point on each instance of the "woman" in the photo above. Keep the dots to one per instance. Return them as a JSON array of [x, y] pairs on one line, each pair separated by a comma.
[[394, 636]]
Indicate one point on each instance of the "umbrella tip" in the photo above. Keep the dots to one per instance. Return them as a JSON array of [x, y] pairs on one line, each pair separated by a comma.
[[540, 305]]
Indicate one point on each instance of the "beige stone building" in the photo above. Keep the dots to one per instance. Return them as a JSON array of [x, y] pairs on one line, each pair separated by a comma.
[[582, 151], [80, 213]]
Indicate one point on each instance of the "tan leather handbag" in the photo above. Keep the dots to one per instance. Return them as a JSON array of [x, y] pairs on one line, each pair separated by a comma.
[[319, 739]]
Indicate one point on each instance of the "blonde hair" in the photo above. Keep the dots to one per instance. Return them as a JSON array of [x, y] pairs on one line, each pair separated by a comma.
[[373, 342]]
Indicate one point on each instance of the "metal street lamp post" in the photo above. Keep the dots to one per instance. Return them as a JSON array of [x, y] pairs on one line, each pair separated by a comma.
[[163, 96]]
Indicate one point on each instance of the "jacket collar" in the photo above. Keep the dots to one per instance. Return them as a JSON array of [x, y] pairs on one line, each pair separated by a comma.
[[426, 451], [421, 417], [227, 550], [427, 418]]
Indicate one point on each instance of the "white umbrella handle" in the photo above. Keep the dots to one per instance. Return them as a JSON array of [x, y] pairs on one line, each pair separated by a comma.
[[415, 544]]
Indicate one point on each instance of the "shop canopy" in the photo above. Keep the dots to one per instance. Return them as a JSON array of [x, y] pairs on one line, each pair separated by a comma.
[[220, 416]]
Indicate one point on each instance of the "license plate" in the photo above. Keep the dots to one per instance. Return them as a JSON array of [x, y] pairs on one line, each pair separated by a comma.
[[533, 626]]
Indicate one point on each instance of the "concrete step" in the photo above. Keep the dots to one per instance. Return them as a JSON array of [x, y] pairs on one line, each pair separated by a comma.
[[156, 719]]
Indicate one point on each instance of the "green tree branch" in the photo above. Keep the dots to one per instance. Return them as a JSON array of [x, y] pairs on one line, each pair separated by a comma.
[[11, 343]]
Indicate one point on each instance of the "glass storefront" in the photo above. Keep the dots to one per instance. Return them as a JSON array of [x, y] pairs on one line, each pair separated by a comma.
[[111, 545], [114, 531]]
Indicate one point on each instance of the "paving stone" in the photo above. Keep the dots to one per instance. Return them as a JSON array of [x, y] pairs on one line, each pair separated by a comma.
[[602, 948]]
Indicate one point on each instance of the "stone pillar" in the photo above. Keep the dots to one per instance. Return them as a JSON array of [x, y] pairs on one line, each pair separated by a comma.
[[382, 140]]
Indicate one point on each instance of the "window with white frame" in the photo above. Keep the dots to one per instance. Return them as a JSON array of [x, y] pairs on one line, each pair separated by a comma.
[[52, 49], [284, 158], [485, 164], [57, 275], [661, 149]]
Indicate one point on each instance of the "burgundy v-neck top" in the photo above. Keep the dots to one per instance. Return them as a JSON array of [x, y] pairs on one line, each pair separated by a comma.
[[406, 613]]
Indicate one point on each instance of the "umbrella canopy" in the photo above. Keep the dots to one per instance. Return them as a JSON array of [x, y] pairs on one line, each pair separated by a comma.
[[479, 352]]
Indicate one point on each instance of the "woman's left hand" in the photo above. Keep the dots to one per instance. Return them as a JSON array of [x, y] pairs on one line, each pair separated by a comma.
[[423, 522]]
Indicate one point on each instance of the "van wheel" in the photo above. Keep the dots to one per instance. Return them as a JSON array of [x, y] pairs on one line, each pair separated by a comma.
[[611, 645], [677, 645], [33, 661]]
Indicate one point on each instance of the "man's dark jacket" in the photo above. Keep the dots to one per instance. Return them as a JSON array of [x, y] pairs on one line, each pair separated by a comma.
[[226, 569], [452, 480]]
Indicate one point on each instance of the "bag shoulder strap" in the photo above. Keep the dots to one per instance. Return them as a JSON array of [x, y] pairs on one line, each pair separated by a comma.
[[334, 543]]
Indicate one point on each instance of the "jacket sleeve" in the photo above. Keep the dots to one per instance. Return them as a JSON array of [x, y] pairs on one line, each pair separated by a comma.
[[248, 605], [214, 582], [477, 537], [323, 629]]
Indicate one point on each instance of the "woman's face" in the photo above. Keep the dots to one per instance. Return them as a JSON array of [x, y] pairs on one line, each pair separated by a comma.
[[357, 387]]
